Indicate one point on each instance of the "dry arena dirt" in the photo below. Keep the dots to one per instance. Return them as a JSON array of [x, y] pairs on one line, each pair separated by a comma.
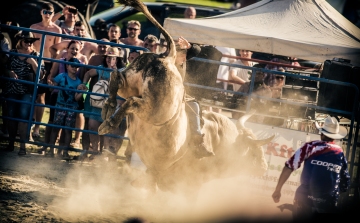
[[35, 188]]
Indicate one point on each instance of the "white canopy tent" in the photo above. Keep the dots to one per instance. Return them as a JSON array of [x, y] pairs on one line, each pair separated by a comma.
[[306, 29]]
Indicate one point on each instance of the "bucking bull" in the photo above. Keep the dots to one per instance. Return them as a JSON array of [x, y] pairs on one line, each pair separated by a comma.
[[159, 130]]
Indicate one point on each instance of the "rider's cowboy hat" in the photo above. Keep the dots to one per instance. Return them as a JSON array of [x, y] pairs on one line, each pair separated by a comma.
[[25, 35], [112, 52], [332, 129]]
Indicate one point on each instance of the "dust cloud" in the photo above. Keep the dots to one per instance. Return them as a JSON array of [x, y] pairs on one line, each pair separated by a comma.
[[105, 193], [40, 189]]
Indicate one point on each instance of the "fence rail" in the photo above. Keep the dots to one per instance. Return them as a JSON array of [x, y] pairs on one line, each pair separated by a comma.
[[351, 140]]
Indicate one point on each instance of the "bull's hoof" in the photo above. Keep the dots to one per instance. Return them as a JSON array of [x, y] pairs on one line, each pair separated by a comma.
[[107, 111], [104, 128], [202, 152]]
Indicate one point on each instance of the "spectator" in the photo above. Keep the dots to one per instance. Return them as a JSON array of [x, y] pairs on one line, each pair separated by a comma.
[[151, 43], [43, 97], [80, 30], [5, 46], [270, 78], [190, 13], [20, 68], [235, 5], [133, 31], [95, 60], [70, 14], [88, 49], [110, 61], [324, 174], [260, 89], [276, 92], [66, 99], [223, 72], [73, 51], [277, 84], [80, 120], [114, 34], [241, 4], [240, 75], [133, 55]]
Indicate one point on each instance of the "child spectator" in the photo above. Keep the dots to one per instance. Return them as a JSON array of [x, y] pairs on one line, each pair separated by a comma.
[[66, 99]]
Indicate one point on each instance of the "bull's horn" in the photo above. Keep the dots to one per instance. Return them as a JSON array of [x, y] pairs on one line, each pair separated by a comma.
[[261, 142], [243, 119]]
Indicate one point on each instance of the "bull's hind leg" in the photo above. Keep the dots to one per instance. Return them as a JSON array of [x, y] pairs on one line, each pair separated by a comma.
[[131, 105]]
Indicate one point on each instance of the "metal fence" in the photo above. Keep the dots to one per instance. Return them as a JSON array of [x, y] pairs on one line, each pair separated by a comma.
[[352, 147]]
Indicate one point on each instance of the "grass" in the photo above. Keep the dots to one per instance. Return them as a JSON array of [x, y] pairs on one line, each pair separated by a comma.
[[32, 148], [212, 3]]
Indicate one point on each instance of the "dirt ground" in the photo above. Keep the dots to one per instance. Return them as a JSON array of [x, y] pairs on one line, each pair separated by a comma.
[[36, 188]]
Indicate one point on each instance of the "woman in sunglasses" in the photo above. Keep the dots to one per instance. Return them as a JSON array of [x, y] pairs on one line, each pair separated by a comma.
[[20, 68]]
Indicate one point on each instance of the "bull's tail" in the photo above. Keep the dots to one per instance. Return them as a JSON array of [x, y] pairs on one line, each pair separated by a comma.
[[138, 5]]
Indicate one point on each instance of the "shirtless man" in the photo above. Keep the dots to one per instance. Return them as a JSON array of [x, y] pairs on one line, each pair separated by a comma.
[[133, 31], [47, 13], [70, 14], [88, 49], [151, 42], [114, 34]]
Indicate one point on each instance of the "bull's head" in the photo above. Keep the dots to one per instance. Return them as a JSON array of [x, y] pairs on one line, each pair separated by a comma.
[[251, 146]]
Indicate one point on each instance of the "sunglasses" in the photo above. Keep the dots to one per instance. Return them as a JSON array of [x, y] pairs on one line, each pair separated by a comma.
[[132, 29], [29, 41], [47, 12]]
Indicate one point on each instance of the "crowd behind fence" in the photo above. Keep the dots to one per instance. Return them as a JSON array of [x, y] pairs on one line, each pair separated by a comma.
[[353, 115]]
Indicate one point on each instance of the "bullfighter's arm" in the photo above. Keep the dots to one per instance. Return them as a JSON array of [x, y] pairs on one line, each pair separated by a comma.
[[285, 174]]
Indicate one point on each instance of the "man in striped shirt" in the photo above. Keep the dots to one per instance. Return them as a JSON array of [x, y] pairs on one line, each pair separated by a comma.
[[324, 175]]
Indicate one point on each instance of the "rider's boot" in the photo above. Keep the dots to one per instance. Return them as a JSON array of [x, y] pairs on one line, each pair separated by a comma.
[[197, 138]]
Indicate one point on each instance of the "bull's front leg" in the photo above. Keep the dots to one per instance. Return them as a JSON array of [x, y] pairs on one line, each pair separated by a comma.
[[110, 105], [131, 105]]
